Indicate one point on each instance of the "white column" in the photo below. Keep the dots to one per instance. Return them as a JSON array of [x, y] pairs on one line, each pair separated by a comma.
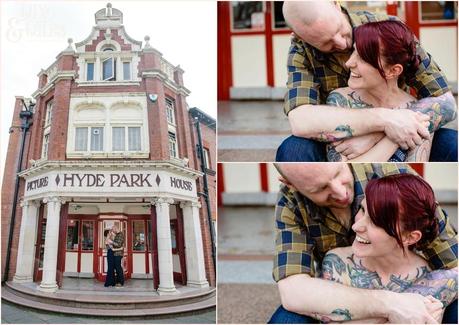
[[163, 229], [27, 240], [194, 252], [48, 282]]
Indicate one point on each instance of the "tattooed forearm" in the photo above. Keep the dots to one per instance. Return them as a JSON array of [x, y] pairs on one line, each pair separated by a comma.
[[441, 284], [332, 154], [341, 132], [441, 109], [421, 152]]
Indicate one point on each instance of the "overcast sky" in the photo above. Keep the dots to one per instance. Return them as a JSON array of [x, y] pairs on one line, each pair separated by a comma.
[[34, 32]]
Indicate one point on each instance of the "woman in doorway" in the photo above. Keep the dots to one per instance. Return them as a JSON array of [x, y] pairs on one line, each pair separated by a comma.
[[397, 217], [110, 278], [384, 58]]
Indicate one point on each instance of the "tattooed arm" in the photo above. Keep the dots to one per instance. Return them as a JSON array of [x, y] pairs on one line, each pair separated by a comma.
[[441, 109], [441, 284]]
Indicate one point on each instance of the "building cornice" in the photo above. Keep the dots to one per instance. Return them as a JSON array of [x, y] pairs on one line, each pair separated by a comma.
[[61, 75], [171, 165], [163, 77]]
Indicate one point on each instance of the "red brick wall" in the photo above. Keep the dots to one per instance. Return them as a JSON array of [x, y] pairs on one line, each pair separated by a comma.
[[9, 180]]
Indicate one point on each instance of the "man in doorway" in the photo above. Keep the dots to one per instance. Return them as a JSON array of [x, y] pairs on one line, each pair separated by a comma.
[[118, 252], [322, 43], [315, 210]]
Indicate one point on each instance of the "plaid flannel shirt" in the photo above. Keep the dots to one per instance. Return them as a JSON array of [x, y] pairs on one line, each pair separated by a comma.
[[305, 232], [118, 242], [312, 75]]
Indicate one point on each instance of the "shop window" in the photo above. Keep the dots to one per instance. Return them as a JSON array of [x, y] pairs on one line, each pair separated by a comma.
[[90, 71], [170, 111], [173, 145], [72, 234], [126, 70], [97, 139], [108, 69], [247, 15], [134, 138], [438, 10], [278, 16], [87, 240], [81, 139], [118, 138], [138, 236], [41, 251], [174, 236], [372, 6], [134, 142]]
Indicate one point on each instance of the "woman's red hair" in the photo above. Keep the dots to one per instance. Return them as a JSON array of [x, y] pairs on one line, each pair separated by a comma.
[[403, 202], [390, 39]]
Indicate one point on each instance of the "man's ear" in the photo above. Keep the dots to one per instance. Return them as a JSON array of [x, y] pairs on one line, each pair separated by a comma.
[[284, 181], [395, 71], [412, 237]]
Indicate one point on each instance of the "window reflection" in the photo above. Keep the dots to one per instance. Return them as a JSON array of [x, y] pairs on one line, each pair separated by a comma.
[[138, 236], [87, 242], [438, 10], [72, 234], [248, 15]]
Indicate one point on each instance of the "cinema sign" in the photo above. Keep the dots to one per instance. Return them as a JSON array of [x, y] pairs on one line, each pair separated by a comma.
[[110, 182]]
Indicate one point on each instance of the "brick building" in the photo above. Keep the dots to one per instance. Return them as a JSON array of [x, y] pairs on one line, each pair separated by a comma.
[[112, 142]]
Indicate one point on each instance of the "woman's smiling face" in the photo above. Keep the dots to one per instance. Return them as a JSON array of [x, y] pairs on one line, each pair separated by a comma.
[[370, 240], [363, 75]]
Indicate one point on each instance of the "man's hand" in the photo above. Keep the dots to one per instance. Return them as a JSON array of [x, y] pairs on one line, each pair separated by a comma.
[[405, 127], [354, 147], [411, 308]]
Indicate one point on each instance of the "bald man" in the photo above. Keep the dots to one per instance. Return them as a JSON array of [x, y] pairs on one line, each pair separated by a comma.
[[314, 214], [321, 45]]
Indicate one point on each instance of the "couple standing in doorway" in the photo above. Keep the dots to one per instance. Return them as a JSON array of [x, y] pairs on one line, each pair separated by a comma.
[[114, 242]]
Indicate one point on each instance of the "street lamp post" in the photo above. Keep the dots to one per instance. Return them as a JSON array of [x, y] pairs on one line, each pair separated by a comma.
[[26, 116]]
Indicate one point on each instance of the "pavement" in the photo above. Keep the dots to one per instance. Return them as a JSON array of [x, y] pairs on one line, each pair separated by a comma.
[[246, 292], [12, 314], [251, 131]]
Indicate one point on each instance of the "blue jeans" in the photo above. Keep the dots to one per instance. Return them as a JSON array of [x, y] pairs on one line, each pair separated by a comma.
[[110, 278], [119, 270], [283, 316], [444, 148]]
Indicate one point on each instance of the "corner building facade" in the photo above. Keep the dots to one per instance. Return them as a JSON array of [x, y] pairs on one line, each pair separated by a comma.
[[111, 143]]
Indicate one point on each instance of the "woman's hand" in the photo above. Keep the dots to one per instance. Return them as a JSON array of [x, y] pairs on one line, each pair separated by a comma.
[[434, 307], [354, 147]]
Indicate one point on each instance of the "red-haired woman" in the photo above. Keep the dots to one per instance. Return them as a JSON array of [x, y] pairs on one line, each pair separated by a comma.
[[396, 218], [384, 58]]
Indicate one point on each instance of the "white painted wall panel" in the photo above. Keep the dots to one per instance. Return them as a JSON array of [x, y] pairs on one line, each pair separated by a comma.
[[87, 262], [138, 263], [71, 261], [441, 43], [248, 55], [281, 44], [242, 178], [441, 176], [273, 178]]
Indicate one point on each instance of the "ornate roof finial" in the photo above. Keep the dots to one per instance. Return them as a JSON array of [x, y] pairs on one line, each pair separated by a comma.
[[147, 42], [109, 9], [69, 47]]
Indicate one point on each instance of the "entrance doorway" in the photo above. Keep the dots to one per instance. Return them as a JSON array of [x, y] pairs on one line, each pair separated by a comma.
[[103, 228]]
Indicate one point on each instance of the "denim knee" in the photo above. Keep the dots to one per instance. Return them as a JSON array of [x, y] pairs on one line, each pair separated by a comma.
[[298, 149]]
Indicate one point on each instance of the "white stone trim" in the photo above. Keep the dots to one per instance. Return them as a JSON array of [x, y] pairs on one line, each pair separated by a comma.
[[27, 239]]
